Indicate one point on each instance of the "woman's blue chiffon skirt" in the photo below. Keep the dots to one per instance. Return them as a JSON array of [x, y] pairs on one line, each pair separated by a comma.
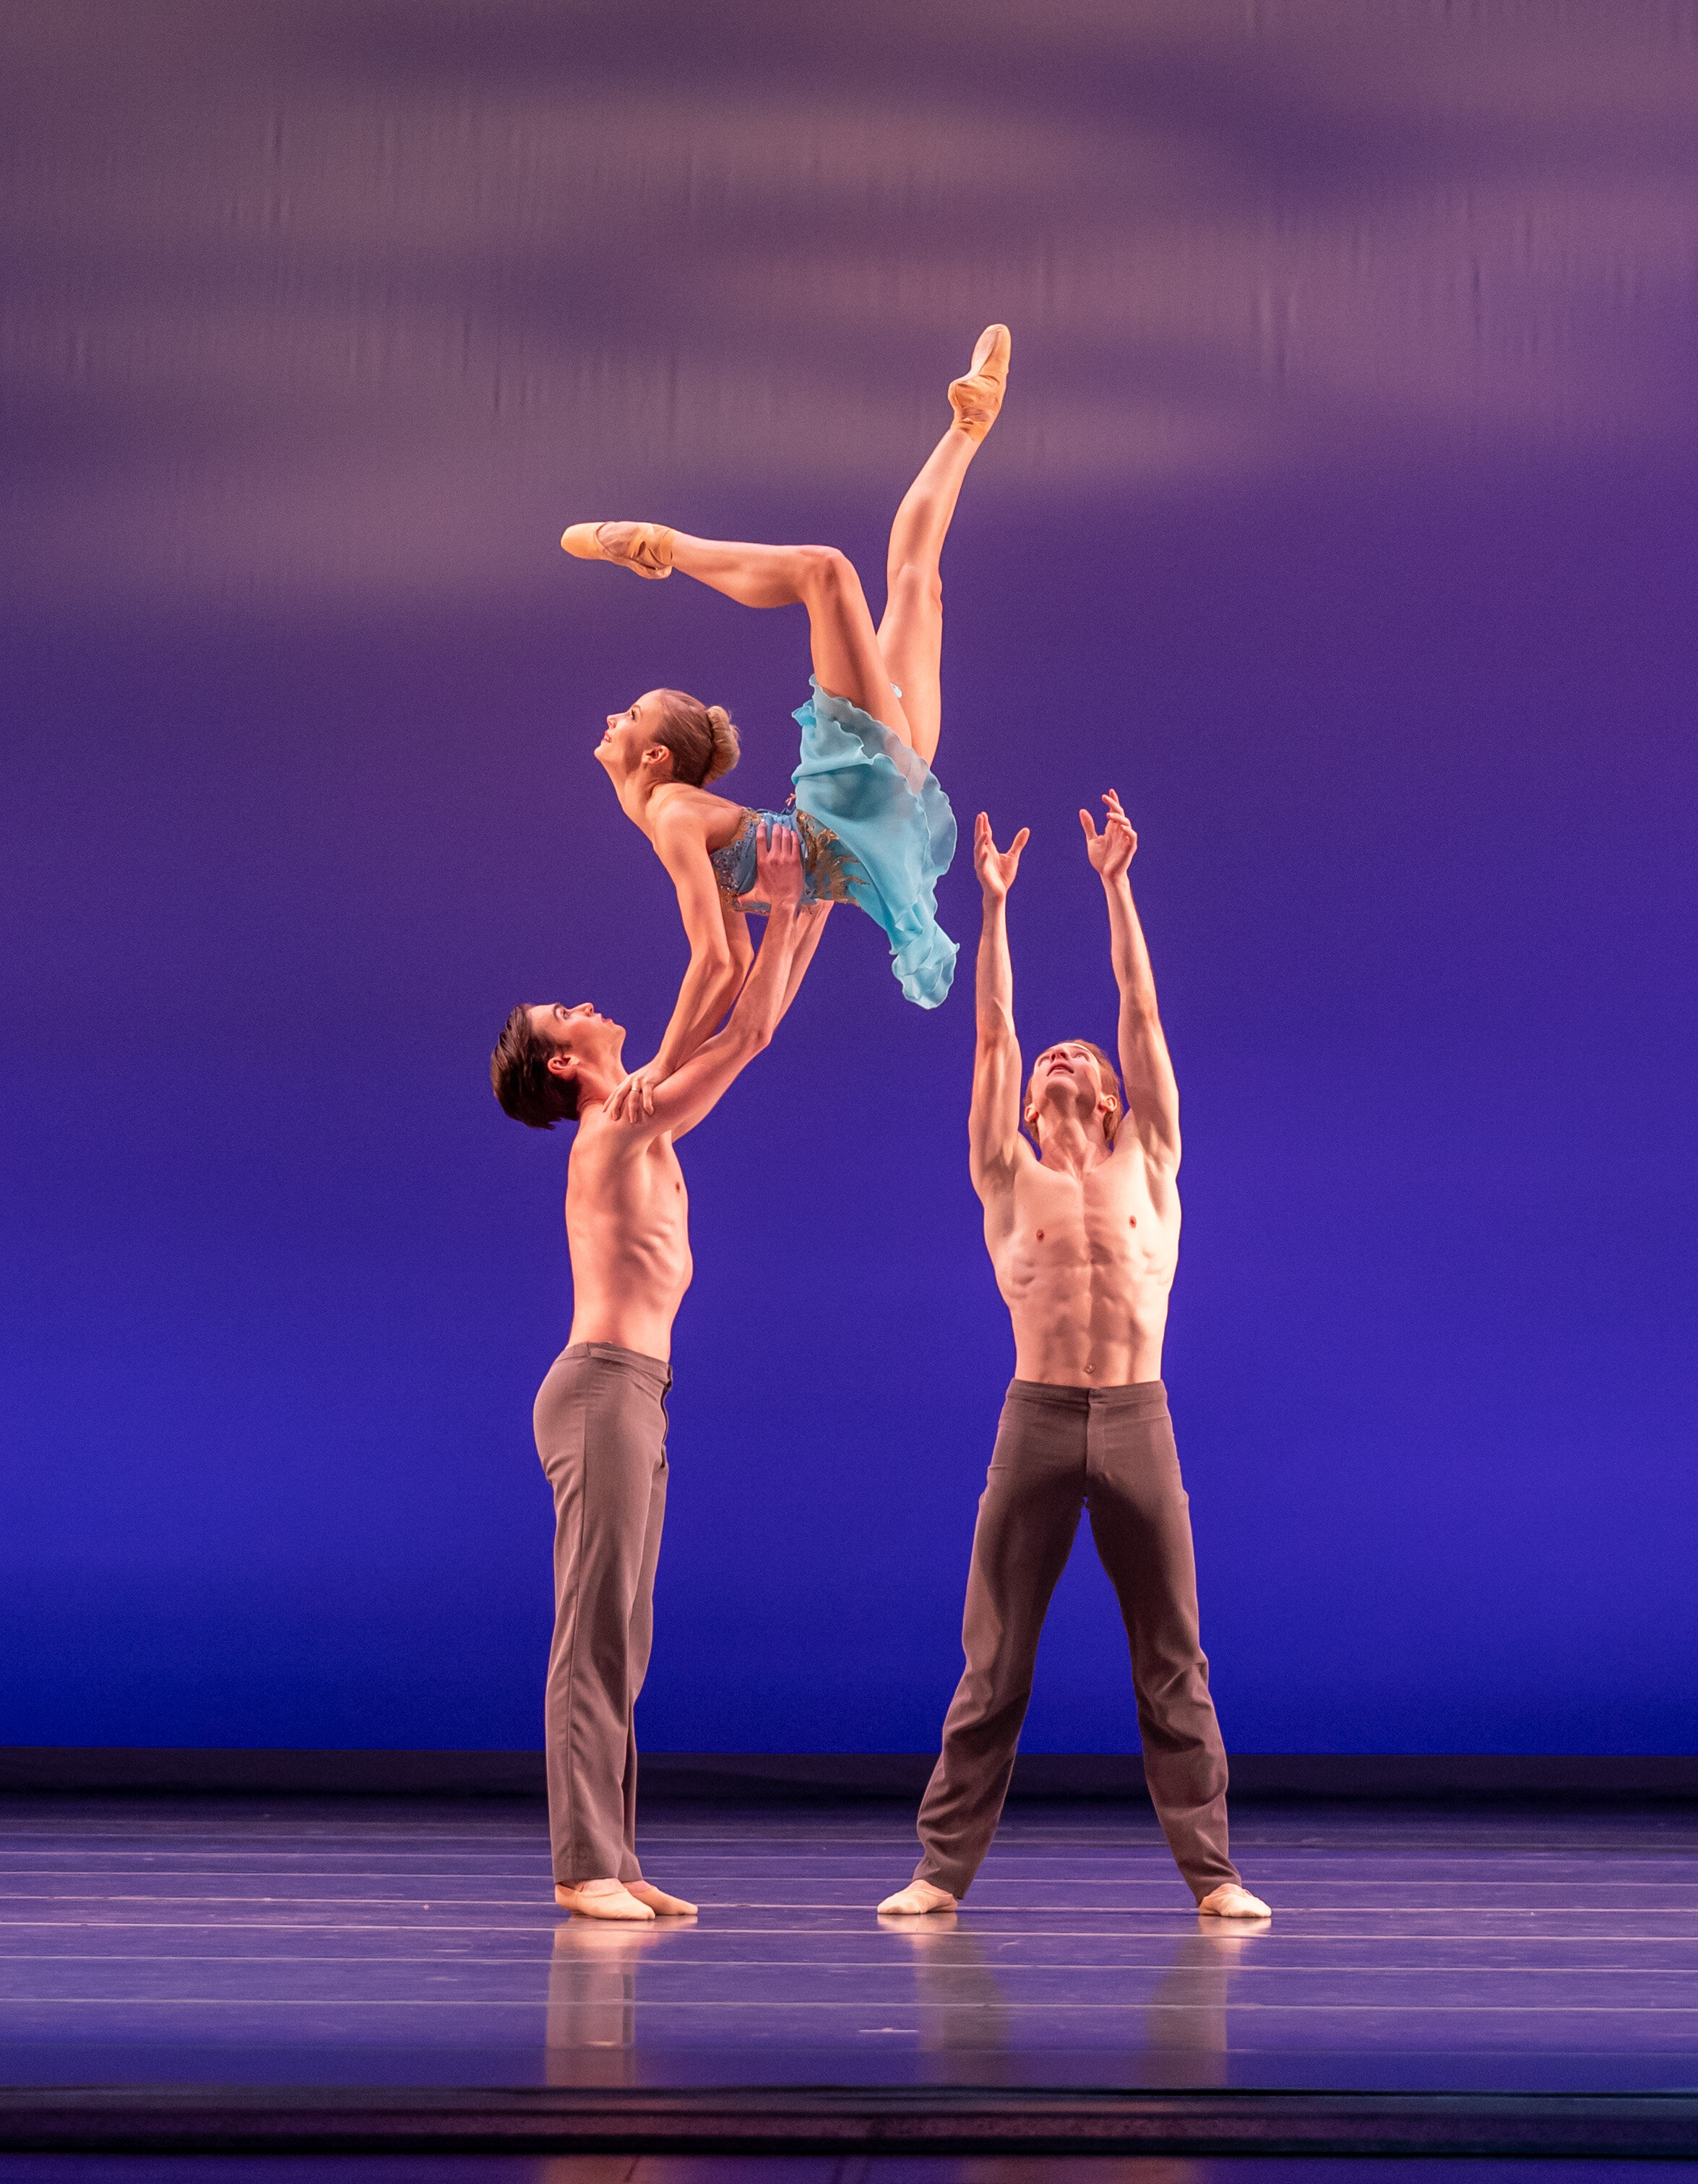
[[883, 803]]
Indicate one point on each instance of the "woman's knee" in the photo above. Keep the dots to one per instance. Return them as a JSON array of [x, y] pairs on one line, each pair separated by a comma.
[[914, 587], [828, 572]]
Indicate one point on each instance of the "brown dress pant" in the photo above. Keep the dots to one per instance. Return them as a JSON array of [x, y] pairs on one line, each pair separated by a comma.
[[1059, 1450], [601, 1433]]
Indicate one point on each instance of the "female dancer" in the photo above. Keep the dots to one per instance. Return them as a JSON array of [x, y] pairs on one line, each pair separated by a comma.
[[875, 827]]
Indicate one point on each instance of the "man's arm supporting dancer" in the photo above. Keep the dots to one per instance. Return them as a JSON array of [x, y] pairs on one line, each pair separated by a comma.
[[1083, 1233], [793, 934]]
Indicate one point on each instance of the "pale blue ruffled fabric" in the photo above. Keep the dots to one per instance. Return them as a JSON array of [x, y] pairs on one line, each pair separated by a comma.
[[883, 803], [893, 836]]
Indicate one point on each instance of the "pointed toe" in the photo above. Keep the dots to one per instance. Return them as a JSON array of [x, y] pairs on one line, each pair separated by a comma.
[[646, 552], [977, 397]]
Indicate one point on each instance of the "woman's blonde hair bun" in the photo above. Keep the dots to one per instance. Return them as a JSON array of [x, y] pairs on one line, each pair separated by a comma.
[[702, 740], [727, 745]]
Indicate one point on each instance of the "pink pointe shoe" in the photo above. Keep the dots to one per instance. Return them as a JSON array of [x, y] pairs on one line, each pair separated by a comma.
[[647, 552], [976, 399]]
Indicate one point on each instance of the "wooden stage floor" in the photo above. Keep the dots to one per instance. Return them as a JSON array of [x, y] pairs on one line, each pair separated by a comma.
[[228, 1974]]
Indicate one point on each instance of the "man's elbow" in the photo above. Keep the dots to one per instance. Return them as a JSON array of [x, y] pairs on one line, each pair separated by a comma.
[[749, 1035]]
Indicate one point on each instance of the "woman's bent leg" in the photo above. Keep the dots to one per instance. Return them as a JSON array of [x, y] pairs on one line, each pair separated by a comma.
[[847, 658]]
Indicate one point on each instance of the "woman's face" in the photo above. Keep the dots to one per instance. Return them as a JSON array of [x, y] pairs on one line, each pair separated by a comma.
[[629, 734]]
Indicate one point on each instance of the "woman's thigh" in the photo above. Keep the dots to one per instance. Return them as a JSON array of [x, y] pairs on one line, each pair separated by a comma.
[[910, 638], [847, 660]]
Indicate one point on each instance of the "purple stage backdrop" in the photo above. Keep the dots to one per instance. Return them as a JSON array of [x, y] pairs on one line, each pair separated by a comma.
[[1341, 517]]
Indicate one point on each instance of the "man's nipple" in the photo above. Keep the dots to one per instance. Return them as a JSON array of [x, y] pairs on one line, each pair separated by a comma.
[[1040, 1235]]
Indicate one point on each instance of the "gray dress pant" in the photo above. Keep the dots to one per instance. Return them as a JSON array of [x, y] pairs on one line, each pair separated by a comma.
[[1059, 1451], [601, 1433]]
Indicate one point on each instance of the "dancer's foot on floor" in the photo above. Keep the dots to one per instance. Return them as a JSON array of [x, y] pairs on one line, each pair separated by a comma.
[[916, 1901], [1230, 1901], [645, 548], [658, 1902], [977, 397], [600, 1899]]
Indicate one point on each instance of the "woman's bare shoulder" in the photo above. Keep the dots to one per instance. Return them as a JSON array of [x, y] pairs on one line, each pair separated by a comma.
[[682, 813]]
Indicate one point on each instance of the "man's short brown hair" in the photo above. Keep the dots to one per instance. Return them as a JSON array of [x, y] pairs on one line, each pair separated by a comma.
[[1110, 1082], [527, 1088]]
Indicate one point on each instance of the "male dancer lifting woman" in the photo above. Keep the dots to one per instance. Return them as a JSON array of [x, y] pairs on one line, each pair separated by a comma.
[[1084, 1237], [601, 1413]]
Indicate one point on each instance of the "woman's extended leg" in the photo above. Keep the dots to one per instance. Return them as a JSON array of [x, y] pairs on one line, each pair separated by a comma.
[[910, 636], [847, 658], [851, 659]]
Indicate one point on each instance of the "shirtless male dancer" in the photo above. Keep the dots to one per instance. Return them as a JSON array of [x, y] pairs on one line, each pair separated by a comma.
[[1084, 1237], [601, 1411]]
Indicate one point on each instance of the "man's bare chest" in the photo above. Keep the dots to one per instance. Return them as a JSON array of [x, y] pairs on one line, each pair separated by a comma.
[[1110, 1213]]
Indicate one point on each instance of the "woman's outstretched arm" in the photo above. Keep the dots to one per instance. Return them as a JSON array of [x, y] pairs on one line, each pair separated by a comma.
[[717, 967]]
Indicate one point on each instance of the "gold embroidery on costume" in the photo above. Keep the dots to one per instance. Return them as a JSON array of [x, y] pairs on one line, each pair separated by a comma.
[[829, 867]]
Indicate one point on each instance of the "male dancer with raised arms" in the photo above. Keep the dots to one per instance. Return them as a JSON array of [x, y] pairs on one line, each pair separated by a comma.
[[601, 1411], [1083, 1235]]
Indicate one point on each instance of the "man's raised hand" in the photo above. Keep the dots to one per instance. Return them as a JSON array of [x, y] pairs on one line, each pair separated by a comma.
[[995, 868], [1112, 850]]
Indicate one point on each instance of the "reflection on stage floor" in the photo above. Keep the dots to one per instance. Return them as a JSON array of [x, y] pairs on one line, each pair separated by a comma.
[[186, 1942]]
